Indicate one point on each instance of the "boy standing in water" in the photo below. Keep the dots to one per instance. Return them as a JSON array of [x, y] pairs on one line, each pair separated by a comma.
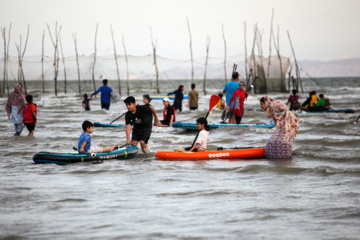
[[193, 98], [141, 119], [105, 95], [84, 144], [30, 115]]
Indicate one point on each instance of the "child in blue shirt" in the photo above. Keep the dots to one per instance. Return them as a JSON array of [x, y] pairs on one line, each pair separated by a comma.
[[84, 144]]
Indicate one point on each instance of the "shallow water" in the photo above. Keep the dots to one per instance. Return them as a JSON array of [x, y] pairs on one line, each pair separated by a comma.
[[314, 195]]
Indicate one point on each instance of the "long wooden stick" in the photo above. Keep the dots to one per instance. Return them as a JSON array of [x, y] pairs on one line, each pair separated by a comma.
[[222, 27], [42, 63], [93, 66], [270, 38], [206, 62], [115, 56], [77, 61], [296, 65], [246, 60], [63, 60], [127, 66], [154, 45], [191, 53]]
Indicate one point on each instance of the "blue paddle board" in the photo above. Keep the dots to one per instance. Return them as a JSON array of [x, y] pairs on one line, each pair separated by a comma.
[[192, 126], [97, 124], [162, 96]]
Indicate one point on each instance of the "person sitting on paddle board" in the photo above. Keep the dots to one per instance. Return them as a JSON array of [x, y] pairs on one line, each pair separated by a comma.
[[309, 104], [200, 143], [140, 116], [169, 114], [238, 97], [229, 89], [294, 101], [105, 95], [323, 104], [84, 144], [146, 100], [86, 102], [280, 143]]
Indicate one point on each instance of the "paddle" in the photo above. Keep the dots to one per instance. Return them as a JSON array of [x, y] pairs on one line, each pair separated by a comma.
[[213, 101], [117, 147], [357, 120], [118, 118]]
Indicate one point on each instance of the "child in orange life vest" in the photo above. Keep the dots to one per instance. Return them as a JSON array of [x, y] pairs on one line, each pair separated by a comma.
[[30, 115]]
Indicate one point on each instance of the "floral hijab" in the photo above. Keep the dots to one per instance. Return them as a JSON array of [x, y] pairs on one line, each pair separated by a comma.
[[285, 119], [16, 99]]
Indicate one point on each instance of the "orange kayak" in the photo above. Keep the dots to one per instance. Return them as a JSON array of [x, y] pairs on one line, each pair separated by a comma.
[[243, 153]]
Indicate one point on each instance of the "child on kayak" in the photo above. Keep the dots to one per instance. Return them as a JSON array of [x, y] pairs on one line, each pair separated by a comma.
[[200, 143], [84, 144]]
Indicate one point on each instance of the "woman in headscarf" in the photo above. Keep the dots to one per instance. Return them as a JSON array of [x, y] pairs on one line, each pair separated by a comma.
[[14, 108], [280, 143]]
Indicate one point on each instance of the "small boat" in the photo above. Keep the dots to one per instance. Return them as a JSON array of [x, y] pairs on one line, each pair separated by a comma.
[[240, 153], [330, 111], [97, 124], [349, 110], [192, 126], [65, 158], [162, 96]]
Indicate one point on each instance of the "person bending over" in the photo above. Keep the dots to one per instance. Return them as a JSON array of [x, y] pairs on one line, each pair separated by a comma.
[[140, 116]]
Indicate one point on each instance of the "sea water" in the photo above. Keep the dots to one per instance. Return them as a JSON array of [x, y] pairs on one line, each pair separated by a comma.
[[314, 195]]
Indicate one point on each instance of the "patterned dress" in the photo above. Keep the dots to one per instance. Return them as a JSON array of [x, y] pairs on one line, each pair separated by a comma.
[[280, 143]]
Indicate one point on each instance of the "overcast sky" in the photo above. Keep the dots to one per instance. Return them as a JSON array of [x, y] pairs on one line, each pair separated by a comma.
[[320, 29]]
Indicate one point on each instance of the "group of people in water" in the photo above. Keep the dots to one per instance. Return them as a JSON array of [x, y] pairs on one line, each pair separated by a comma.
[[139, 119], [312, 103]]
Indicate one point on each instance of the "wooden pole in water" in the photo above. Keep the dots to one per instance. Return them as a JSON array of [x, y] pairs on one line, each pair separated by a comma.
[[271, 33], [115, 56], [296, 65], [277, 48], [6, 59], [56, 52], [42, 63], [246, 60], [127, 66], [154, 45], [191, 54], [77, 61], [222, 27], [63, 60], [21, 76], [93, 66], [206, 62], [253, 57], [4, 72]]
